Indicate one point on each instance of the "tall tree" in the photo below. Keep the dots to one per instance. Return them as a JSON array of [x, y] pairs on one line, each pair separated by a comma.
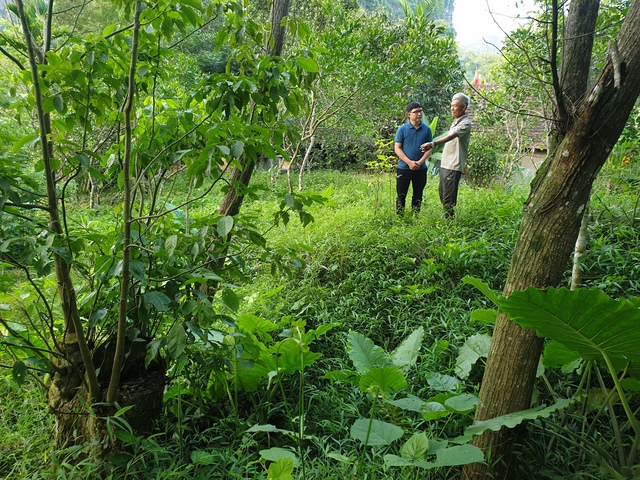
[[588, 119]]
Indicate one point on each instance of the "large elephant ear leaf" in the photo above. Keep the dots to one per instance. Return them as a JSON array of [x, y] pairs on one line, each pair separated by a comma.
[[587, 321]]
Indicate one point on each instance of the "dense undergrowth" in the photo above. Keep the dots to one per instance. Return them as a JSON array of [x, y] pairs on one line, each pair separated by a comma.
[[356, 268]]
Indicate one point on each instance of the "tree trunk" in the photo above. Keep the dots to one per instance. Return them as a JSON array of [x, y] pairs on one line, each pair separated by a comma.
[[232, 201], [551, 220]]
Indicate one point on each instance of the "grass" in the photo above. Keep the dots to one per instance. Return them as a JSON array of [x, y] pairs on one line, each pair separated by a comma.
[[370, 271]]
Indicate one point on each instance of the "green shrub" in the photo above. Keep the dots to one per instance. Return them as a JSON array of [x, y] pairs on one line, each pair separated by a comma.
[[484, 160]]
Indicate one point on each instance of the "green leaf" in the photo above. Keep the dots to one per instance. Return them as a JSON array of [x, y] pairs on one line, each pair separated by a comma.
[[464, 403], [364, 354], [158, 299], [434, 411], [382, 433], [58, 103], [416, 448], [176, 340], [406, 354], [281, 470], [443, 383], [484, 316], [411, 403], [587, 321], [229, 299], [224, 226], [19, 372], [308, 64], [557, 355], [170, 245], [274, 454], [458, 455], [237, 149], [382, 381], [200, 457], [474, 348], [484, 288], [510, 420]]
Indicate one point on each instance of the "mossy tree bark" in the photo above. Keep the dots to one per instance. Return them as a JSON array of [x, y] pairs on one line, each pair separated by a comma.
[[589, 120]]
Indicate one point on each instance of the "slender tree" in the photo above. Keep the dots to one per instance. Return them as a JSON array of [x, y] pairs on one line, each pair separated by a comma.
[[589, 118]]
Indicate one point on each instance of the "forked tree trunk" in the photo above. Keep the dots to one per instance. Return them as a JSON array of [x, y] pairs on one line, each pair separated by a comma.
[[550, 224]]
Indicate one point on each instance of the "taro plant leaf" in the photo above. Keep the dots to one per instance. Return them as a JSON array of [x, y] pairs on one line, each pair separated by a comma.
[[510, 420], [382, 381], [557, 355], [474, 348], [484, 316], [416, 448], [411, 403], [434, 411], [274, 454], [587, 321], [464, 403], [445, 457], [382, 433], [443, 383], [364, 354], [406, 354], [492, 295]]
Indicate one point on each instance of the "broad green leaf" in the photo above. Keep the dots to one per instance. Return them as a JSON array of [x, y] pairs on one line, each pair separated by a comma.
[[158, 299], [170, 245], [308, 64], [382, 381], [587, 321], [248, 323], [416, 448], [406, 354], [224, 226], [382, 433], [237, 149], [510, 420], [281, 470], [200, 457], [557, 355], [484, 316], [268, 428], [411, 403], [445, 457], [19, 372], [458, 455], [474, 348], [434, 411], [364, 354], [229, 299], [464, 403], [274, 454], [443, 383], [176, 340], [484, 288]]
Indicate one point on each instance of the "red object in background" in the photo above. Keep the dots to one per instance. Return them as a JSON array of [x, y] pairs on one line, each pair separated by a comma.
[[476, 79]]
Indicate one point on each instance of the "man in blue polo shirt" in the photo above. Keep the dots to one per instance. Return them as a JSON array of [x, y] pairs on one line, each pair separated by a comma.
[[412, 162]]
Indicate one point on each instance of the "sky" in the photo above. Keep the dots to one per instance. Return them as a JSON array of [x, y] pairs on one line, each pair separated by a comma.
[[472, 20]]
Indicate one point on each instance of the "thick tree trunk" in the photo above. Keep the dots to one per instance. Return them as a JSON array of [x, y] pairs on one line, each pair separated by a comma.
[[550, 224]]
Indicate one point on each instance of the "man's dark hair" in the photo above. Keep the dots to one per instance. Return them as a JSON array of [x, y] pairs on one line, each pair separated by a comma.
[[412, 105]]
